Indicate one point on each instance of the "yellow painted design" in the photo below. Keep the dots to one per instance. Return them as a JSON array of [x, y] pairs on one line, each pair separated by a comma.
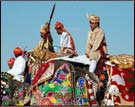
[[53, 100], [51, 85], [20, 103]]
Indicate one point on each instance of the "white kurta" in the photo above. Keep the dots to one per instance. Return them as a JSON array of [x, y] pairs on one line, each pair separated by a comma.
[[65, 40], [18, 68]]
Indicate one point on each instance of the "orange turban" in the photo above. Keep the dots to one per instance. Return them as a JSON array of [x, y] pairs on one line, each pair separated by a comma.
[[18, 51], [11, 61], [58, 25]]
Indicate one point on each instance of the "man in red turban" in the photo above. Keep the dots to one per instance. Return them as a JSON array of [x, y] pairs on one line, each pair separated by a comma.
[[19, 64], [67, 45], [17, 70]]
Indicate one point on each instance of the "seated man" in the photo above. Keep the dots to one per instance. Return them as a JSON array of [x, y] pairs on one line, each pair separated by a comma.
[[46, 41], [45, 46], [17, 71], [19, 65], [10, 64], [96, 49], [66, 41]]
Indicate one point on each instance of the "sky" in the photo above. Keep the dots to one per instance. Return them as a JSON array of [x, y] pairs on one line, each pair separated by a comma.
[[21, 22]]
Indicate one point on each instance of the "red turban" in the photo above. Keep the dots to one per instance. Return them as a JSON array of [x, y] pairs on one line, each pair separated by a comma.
[[11, 61], [18, 51], [58, 25]]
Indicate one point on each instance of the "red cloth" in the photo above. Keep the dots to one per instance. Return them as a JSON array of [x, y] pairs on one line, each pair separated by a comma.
[[126, 75], [40, 72], [11, 61], [18, 51], [117, 99], [89, 87]]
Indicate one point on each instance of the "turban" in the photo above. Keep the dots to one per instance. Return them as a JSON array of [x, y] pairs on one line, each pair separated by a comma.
[[93, 18], [11, 61], [18, 51], [58, 25], [44, 28]]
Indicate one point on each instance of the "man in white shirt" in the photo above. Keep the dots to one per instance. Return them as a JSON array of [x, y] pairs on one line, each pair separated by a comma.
[[66, 41], [19, 65], [17, 71]]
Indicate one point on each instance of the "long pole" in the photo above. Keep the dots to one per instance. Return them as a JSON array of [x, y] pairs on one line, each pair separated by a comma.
[[52, 12]]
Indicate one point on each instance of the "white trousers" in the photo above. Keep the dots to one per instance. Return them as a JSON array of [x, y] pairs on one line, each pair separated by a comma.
[[93, 65]]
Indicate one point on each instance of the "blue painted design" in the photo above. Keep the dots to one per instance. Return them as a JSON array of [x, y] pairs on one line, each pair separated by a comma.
[[58, 75], [81, 82]]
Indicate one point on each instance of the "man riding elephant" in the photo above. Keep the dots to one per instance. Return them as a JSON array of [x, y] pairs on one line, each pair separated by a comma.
[[67, 45], [17, 69], [45, 45]]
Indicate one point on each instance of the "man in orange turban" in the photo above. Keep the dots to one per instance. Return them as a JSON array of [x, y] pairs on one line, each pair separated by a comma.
[[19, 64], [67, 45], [17, 70]]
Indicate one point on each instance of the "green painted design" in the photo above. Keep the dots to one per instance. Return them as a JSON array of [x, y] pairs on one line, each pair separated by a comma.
[[44, 88], [59, 100], [5, 103], [78, 91], [7, 89]]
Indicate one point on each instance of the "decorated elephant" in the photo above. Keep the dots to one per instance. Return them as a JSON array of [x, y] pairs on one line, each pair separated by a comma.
[[62, 81]]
